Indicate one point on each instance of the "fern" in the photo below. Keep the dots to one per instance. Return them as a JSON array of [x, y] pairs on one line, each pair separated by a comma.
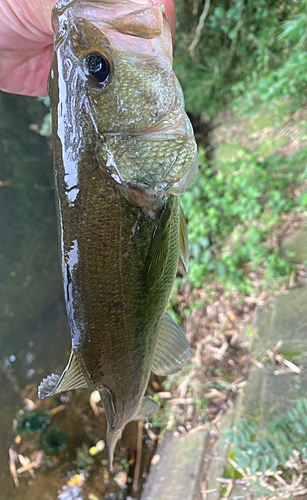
[[260, 451]]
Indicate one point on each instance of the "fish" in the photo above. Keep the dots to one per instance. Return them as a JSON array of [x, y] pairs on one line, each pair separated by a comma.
[[124, 152]]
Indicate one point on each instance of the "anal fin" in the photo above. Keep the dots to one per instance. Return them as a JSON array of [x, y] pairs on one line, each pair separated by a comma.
[[71, 378], [173, 349], [146, 408]]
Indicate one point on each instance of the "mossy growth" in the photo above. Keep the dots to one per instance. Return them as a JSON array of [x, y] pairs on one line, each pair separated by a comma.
[[54, 440], [33, 422]]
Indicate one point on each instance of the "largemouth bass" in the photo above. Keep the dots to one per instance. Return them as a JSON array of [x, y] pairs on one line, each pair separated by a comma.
[[124, 151]]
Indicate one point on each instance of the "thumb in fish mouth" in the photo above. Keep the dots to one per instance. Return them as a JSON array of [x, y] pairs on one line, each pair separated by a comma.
[[112, 438]]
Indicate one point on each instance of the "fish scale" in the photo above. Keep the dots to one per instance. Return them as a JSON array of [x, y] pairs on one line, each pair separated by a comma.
[[114, 287]]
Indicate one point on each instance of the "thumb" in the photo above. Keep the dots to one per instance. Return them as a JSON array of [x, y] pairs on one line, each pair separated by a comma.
[[170, 12]]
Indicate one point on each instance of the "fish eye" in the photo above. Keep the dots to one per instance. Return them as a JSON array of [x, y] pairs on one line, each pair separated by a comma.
[[98, 67]]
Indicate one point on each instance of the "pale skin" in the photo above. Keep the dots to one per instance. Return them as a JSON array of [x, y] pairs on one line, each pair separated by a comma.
[[26, 40]]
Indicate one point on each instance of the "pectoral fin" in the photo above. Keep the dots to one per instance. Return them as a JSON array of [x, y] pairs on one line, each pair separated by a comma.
[[158, 249], [71, 378], [184, 241], [173, 350]]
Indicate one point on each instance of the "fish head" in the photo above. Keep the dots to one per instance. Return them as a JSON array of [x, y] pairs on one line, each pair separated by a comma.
[[115, 78]]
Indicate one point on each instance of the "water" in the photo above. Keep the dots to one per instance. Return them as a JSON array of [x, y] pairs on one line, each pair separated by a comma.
[[34, 335]]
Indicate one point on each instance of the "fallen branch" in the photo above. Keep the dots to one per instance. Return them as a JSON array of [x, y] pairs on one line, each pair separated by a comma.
[[135, 485]]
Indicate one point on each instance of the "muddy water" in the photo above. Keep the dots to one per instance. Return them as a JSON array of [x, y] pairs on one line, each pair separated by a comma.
[[34, 336]]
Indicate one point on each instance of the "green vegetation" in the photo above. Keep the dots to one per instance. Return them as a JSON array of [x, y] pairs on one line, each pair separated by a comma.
[[33, 422], [54, 440], [283, 446], [231, 214], [248, 57], [253, 50]]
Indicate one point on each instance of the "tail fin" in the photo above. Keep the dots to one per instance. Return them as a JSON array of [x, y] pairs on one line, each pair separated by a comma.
[[112, 438], [112, 435]]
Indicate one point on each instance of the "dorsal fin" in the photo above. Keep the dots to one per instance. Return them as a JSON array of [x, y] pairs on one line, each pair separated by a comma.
[[71, 378], [173, 349]]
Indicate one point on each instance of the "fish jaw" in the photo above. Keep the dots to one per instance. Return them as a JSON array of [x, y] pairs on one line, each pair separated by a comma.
[[171, 160]]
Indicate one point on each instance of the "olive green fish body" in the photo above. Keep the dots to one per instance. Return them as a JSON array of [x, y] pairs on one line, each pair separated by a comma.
[[115, 324], [123, 151]]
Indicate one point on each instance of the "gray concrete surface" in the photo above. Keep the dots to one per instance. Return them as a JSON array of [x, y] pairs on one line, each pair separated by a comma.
[[178, 473], [296, 244]]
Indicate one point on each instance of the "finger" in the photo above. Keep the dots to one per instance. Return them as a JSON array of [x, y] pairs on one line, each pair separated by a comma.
[[25, 75], [170, 11]]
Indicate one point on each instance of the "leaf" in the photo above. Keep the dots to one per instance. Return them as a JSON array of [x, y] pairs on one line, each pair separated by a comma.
[[273, 463], [299, 428], [203, 241], [272, 443], [300, 407], [281, 457], [289, 452], [264, 464], [242, 459], [299, 448], [254, 465], [282, 438]]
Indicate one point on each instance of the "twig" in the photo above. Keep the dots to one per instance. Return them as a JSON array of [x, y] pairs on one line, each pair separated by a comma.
[[57, 409], [13, 467], [5, 183], [227, 480], [230, 486], [135, 485], [28, 467], [202, 427], [199, 28], [181, 401], [94, 399]]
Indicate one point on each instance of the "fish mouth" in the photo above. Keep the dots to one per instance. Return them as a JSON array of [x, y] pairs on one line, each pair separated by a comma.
[[157, 161], [139, 18], [152, 164]]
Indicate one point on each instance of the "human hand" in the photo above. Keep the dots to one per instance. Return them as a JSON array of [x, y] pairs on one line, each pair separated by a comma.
[[26, 42]]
